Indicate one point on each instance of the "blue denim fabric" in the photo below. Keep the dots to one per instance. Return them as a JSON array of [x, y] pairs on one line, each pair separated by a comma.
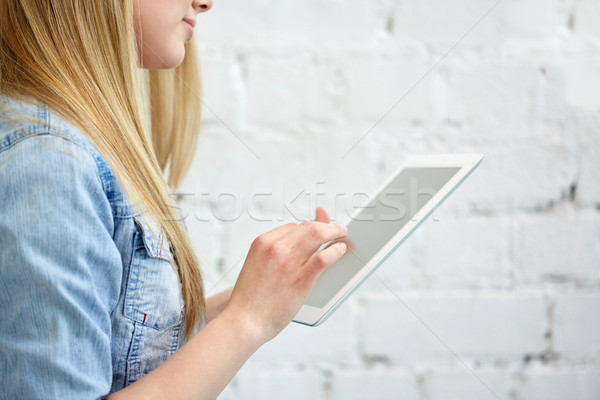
[[89, 299]]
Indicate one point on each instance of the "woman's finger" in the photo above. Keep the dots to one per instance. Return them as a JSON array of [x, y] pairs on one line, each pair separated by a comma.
[[324, 258], [310, 235], [322, 216]]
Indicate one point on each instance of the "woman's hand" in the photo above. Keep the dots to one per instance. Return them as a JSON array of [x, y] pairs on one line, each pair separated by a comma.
[[280, 271], [278, 275]]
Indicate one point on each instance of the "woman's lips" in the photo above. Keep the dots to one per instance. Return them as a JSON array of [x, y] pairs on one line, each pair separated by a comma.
[[190, 23]]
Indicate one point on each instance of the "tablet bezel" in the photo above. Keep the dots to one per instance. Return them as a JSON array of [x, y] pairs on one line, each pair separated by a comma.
[[313, 316]]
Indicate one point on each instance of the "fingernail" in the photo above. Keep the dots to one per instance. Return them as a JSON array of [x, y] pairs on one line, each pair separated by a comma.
[[343, 246], [345, 228]]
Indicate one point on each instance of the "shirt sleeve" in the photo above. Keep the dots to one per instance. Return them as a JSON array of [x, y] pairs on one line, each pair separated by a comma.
[[60, 272]]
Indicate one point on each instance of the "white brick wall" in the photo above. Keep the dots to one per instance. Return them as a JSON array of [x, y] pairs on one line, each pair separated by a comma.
[[296, 384], [458, 384], [497, 297], [560, 247], [576, 332], [559, 384], [446, 326], [378, 383]]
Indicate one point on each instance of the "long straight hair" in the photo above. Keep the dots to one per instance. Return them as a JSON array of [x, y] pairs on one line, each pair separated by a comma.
[[79, 57]]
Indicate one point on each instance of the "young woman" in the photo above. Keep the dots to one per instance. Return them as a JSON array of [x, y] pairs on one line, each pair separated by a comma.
[[99, 285]]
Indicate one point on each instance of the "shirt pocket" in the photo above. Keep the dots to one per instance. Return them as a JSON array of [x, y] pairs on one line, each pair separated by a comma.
[[153, 300]]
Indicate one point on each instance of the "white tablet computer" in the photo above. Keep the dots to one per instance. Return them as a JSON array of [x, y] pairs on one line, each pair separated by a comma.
[[399, 206]]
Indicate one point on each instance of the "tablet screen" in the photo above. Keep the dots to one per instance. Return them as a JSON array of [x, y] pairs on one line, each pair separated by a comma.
[[377, 223]]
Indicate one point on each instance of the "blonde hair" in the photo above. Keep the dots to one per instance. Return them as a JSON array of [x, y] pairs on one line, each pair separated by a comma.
[[79, 57]]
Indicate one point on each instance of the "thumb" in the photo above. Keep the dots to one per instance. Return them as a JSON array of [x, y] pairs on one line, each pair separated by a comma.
[[321, 216]]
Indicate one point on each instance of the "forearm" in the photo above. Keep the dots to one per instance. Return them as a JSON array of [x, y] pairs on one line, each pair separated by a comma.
[[204, 366], [217, 303]]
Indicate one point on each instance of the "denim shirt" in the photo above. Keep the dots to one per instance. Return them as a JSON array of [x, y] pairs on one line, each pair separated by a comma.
[[89, 299]]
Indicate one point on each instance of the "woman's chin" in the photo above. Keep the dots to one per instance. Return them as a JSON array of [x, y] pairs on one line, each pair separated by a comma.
[[165, 61]]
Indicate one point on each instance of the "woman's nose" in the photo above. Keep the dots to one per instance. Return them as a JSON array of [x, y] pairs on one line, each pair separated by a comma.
[[202, 5]]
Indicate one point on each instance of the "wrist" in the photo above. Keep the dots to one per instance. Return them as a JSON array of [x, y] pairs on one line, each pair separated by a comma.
[[249, 328]]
